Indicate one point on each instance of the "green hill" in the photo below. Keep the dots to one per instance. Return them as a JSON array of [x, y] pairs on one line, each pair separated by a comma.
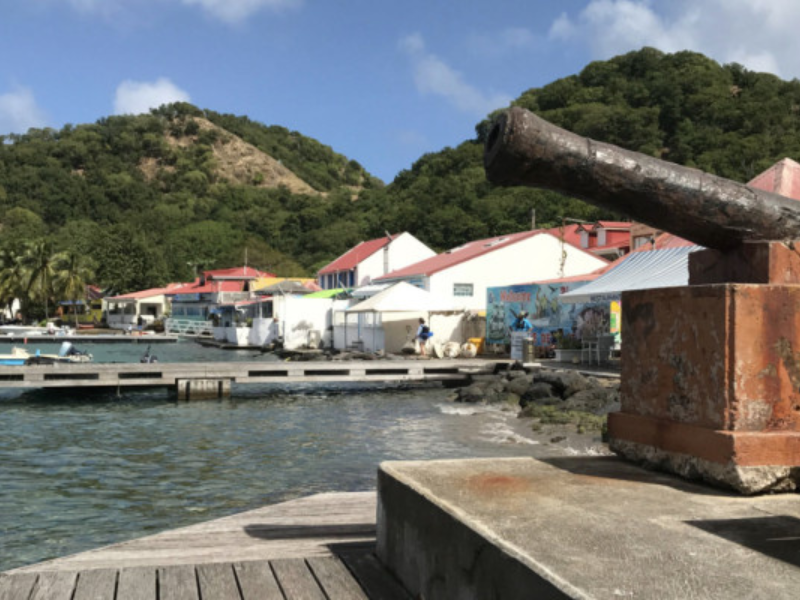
[[151, 198]]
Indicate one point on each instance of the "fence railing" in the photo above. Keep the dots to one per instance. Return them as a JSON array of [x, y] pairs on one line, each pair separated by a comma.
[[188, 327]]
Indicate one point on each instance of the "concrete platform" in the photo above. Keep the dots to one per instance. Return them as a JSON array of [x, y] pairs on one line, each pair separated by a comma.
[[580, 528]]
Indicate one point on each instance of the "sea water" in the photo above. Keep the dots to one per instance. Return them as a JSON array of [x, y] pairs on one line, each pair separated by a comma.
[[80, 470]]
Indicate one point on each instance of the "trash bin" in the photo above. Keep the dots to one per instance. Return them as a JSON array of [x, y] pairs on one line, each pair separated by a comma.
[[528, 351]]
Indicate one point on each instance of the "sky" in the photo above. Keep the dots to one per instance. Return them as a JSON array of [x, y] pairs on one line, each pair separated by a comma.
[[382, 82]]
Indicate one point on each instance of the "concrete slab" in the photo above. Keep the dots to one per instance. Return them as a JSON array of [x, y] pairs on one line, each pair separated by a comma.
[[580, 527]]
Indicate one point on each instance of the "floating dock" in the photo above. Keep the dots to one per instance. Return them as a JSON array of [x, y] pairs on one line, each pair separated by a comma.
[[193, 380], [316, 547]]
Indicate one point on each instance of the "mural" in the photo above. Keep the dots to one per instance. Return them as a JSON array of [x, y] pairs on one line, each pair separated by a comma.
[[545, 312]]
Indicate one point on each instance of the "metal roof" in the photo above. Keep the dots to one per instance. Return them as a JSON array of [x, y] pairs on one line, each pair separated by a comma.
[[637, 271]]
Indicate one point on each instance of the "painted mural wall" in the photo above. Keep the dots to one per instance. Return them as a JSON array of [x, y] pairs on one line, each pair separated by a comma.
[[545, 311]]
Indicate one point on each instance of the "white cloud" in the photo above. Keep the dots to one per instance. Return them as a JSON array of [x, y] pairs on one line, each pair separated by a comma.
[[433, 76], [760, 34], [19, 112], [136, 97], [233, 11]]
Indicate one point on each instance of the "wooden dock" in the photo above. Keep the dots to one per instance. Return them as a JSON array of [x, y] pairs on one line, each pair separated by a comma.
[[122, 375], [319, 547]]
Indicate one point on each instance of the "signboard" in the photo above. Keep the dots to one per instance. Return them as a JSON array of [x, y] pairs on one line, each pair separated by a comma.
[[545, 312]]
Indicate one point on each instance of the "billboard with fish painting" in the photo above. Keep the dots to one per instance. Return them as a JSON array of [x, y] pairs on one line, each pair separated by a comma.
[[545, 312]]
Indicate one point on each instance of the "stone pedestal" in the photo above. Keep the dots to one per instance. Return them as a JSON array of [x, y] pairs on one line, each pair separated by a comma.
[[711, 381]]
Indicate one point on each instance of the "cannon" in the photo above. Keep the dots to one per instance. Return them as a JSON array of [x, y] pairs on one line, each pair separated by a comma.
[[524, 149]]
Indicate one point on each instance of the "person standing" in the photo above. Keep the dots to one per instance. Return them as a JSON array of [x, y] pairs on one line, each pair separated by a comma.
[[423, 334]]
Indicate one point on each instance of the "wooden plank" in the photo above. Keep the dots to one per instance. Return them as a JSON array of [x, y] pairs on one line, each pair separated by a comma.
[[16, 587], [137, 584], [96, 585], [335, 579], [296, 580], [257, 582], [178, 583], [377, 582], [55, 586], [295, 529], [217, 582]]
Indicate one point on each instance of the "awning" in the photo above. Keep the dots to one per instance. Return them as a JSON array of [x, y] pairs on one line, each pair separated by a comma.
[[637, 271]]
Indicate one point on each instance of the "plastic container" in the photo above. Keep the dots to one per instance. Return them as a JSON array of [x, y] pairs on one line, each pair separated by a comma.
[[478, 343]]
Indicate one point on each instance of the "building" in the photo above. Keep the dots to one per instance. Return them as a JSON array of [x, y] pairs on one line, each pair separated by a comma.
[[195, 301], [606, 239], [125, 310], [462, 275], [369, 260]]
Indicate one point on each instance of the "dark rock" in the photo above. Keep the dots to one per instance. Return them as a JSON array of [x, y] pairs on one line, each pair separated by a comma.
[[539, 393], [515, 374], [472, 394], [557, 439], [565, 383], [519, 385], [597, 401]]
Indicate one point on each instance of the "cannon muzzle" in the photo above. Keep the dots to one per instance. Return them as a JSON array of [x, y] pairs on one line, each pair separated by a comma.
[[523, 149]]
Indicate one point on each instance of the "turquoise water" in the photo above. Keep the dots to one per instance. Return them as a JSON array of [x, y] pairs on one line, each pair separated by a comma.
[[182, 351], [79, 471]]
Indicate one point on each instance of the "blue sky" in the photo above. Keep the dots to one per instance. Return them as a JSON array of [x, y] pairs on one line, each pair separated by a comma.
[[380, 81]]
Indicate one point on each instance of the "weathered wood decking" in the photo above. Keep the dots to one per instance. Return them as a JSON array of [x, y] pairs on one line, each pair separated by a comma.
[[120, 375], [315, 547]]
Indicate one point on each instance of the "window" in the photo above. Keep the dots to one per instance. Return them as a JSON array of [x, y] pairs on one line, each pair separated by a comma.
[[462, 289], [640, 241]]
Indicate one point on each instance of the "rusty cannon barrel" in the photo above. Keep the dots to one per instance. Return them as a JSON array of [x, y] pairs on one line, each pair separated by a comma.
[[523, 149]]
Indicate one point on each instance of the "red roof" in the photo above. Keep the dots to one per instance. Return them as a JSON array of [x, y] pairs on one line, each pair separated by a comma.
[[210, 287], [665, 240], [612, 246], [142, 294], [471, 250], [571, 233], [352, 258], [237, 273], [462, 253], [781, 178], [613, 224]]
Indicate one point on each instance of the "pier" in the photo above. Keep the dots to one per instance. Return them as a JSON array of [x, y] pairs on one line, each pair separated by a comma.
[[214, 379], [316, 547]]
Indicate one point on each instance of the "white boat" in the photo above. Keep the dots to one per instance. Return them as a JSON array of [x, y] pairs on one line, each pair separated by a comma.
[[67, 354]]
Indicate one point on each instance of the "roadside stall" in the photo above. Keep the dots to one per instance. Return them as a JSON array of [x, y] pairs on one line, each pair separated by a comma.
[[388, 320]]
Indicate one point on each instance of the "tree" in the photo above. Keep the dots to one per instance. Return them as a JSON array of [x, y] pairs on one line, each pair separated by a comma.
[[39, 263], [73, 271]]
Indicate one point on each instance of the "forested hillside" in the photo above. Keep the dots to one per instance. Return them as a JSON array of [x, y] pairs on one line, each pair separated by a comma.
[[147, 199]]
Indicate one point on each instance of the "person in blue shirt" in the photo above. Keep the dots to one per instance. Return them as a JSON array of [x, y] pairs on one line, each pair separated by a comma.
[[423, 334], [521, 323]]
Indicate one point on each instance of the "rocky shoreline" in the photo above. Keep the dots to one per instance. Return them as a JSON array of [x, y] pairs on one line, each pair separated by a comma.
[[561, 405]]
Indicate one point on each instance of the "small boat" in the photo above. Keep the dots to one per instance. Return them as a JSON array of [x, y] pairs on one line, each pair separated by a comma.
[[17, 357], [67, 354]]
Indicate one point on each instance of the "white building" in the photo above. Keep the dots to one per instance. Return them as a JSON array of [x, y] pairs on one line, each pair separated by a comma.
[[463, 274], [369, 260]]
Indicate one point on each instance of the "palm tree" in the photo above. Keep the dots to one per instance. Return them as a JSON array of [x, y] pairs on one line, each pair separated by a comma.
[[38, 260], [13, 280], [72, 273]]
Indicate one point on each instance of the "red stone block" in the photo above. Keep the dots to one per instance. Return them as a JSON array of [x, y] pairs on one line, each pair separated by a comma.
[[711, 374]]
